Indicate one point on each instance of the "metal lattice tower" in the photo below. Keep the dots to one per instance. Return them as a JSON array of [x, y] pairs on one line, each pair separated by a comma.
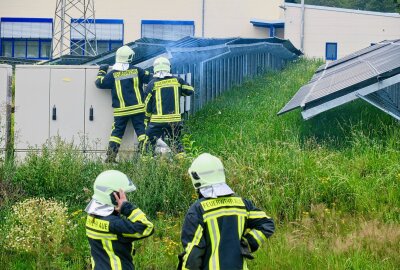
[[74, 28]]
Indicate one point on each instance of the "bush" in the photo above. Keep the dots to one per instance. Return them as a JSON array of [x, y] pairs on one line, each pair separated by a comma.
[[59, 171], [37, 226]]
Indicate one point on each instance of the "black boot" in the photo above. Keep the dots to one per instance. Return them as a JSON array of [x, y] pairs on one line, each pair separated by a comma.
[[112, 152]]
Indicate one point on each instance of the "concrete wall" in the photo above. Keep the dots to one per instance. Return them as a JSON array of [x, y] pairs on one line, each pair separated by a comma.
[[223, 18], [351, 29]]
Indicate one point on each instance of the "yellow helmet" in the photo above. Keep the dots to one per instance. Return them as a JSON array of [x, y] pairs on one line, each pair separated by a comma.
[[124, 55], [109, 181], [206, 170], [161, 64]]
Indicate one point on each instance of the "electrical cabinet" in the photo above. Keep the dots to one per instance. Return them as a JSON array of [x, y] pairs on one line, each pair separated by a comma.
[[64, 101], [5, 104]]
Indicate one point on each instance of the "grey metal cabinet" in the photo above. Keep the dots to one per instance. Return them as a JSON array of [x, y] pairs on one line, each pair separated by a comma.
[[64, 101], [5, 104]]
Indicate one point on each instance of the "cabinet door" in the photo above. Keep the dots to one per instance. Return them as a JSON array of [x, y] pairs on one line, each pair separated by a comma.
[[98, 128], [67, 93], [31, 107]]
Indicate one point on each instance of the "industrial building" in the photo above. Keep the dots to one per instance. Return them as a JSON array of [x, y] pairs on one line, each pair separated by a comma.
[[332, 33], [26, 27]]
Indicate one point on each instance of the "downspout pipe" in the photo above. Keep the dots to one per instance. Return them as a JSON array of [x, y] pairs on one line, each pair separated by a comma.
[[202, 18], [302, 27]]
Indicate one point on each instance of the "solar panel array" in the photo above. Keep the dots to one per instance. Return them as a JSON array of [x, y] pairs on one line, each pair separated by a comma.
[[348, 74]]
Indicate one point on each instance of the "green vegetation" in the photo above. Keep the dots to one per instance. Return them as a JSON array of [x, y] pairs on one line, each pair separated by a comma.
[[332, 184], [373, 5]]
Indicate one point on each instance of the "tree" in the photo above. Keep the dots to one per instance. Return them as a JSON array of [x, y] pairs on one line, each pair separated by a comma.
[[382, 5], [372, 5]]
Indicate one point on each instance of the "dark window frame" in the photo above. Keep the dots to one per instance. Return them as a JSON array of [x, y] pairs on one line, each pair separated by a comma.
[[25, 40], [328, 57]]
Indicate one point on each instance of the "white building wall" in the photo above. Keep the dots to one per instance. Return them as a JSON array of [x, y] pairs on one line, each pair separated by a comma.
[[352, 30], [227, 18], [223, 18]]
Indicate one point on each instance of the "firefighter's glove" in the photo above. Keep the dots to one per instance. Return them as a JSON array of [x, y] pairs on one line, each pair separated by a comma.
[[180, 259], [104, 67], [245, 249]]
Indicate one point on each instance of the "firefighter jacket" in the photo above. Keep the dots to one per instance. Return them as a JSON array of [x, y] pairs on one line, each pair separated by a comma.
[[111, 237], [218, 233], [126, 89], [163, 99]]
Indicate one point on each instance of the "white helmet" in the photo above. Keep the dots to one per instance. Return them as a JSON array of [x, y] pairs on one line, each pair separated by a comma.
[[206, 170], [124, 55], [161, 64]]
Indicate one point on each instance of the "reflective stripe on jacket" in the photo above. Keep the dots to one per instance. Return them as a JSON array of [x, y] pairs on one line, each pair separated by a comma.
[[111, 237], [215, 230], [126, 89], [162, 102]]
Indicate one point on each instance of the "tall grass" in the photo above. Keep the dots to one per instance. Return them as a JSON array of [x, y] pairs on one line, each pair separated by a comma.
[[346, 158], [330, 183]]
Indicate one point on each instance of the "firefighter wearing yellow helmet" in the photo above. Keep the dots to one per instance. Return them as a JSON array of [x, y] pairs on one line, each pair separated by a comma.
[[113, 223], [126, 84], [221, 230], [162, 104]]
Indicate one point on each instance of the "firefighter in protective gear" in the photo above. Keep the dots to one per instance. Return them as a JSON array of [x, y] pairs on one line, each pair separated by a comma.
[[221, 229], [126, 84], [113, 223], [163, 115]]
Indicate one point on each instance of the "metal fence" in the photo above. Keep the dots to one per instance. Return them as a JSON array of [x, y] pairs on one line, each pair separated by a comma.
[[217, 73]]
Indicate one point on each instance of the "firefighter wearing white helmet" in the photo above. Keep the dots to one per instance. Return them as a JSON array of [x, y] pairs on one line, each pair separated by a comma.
[[163, 115], [113, 223], [220, 220], [126, 83]]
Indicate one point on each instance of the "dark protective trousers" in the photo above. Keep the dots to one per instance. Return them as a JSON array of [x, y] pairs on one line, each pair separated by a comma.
[[119, 127], [155, 131]]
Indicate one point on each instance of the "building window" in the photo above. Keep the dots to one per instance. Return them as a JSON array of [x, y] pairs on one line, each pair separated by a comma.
[[39, 49], [26, 37], [6, 48], [109, 35], [331, 51], [167, 30]]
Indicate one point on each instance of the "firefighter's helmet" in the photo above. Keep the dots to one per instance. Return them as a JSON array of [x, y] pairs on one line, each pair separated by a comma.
[[206, 170], [124, 55], [161, 64], [109, 181]]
